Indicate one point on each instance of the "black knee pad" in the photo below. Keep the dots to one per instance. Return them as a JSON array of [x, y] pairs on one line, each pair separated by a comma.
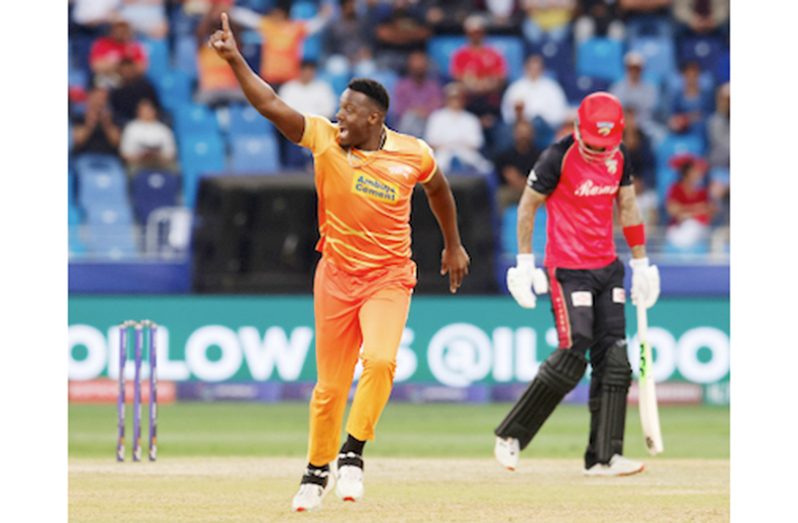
[[610, 409], [557, 376]]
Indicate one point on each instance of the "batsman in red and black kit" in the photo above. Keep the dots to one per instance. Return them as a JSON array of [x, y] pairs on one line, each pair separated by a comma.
[[580, 179]]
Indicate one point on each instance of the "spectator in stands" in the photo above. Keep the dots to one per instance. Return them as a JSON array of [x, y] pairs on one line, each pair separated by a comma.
[[147, 17], [638, 150], [348, 33], [95, 132], [646, 17], [599, 18], [692, 104], [503, 15], [547, 19], [718, 127], [416, 95], [455, 134], [647, 202], [481, 70], [514, 164], [108, 52], [133, 88], [702, 17], [448, 16], [216, 83], [638, 95], [309, 94], [400, 31], [147, 142], [538, 96], [283, 37], [688, 204]]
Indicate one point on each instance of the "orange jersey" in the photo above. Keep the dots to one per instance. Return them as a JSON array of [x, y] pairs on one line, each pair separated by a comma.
[[364, 198], [282, 49]]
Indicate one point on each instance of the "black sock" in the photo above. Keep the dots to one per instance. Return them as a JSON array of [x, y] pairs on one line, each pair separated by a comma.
[[324, 468], [316, 475], [353, 445]]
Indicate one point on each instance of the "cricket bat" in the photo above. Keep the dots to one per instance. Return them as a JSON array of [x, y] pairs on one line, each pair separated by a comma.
[[647, 395]]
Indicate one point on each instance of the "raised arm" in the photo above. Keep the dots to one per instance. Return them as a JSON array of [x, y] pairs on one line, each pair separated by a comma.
[[260, 94], [454, 258]]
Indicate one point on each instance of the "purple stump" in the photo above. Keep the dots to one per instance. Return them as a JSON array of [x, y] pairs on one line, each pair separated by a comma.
[[153, 393], [120, 402], [137, 396]]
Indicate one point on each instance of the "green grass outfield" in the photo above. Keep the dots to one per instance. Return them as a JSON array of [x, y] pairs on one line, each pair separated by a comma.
[[232, 462]]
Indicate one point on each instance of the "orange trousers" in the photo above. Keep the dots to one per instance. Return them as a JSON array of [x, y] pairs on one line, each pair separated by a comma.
[[354, 311]]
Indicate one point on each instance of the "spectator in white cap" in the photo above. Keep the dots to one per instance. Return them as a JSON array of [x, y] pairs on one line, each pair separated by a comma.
[[638, 95]]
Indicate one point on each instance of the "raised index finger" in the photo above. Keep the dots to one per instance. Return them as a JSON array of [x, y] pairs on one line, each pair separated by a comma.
[[225, 23]]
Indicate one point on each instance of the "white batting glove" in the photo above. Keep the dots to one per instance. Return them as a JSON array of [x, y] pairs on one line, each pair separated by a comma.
[[645, 282], [522, 278]]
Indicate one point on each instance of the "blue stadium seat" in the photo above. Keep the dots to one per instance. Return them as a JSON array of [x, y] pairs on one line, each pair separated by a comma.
[[107, 214], [76, 246], [152, 189], [98, 163], [111, 241], [706, 50], [311, 47], [600, 58], [186, 55], [195, 119], [442, 48], [673, 144], [544, 133], [174, 89], [577, 87], [254, 154], [158, 60], [245, 120], [74, 216], [199, 155], [659, 55], [386, 77], [558, 57], [97, 188], [722, 69]]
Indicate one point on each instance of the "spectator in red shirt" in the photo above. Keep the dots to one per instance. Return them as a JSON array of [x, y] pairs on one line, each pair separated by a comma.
[[688, 204], [109, 51], [482, 70]]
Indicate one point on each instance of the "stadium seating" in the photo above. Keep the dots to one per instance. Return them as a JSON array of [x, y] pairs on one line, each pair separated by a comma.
[[577, 87], [245, 120], [98, 184], [158, 61], [194, 119], [200, 154], [600, 58], [705, 50], [152, 189], [305, 10], [509, 234], [186, 55], [558, 57], [174, 89], [659, 55], [111, 241], [254, 154], [101, 214]]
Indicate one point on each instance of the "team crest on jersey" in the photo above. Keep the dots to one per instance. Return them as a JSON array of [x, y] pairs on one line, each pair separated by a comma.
[[605, 128], [612, 165], [375, 189]]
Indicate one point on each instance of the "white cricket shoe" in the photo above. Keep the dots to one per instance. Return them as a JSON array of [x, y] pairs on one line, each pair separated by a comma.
[[310, 495], [618, 466], [507, 452], [349, 480]]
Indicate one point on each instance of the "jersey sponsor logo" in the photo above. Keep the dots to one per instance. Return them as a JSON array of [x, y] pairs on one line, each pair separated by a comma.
[[400, 170], [612, 165], [588, 188], [375, 189], [618, 295], [581, 299]]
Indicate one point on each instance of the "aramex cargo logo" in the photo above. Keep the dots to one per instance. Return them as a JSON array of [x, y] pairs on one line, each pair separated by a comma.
[[375, 189]]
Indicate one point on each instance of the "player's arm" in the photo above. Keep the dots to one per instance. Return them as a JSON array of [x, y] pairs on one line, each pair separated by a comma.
[[531, 201], [454, 258], [631, 218], [260, 94], [645, 277]]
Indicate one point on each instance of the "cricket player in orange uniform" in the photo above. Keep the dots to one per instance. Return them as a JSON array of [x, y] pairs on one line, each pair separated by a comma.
[[365, 174]]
